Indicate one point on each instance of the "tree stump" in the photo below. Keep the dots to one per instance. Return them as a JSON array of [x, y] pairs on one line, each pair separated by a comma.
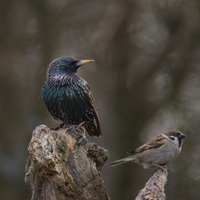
[[64, 164], [155, 187]]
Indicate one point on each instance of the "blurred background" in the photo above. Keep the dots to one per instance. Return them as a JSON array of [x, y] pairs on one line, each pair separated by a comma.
[[146, 80]]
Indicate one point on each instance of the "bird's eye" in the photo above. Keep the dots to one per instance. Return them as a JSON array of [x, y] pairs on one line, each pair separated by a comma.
[[73, 62], [171, 137]]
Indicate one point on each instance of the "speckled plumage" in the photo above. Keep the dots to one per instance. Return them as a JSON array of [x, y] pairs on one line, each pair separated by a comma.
[[68, 97]]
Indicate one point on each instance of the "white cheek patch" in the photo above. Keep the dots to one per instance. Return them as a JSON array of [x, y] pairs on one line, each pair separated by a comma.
[[175, 140]]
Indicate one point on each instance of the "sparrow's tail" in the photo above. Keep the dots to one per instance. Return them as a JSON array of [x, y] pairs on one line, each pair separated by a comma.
[[121, 161]]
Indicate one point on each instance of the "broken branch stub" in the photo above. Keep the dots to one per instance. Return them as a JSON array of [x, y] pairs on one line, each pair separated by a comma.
[[64, 164]]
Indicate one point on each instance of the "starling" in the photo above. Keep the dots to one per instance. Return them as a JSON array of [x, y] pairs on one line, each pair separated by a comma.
[[68, 97]]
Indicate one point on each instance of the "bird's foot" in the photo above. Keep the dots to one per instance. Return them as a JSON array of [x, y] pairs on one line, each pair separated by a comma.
[[80, 132], [80, 128], [81, 140], [162, 167]]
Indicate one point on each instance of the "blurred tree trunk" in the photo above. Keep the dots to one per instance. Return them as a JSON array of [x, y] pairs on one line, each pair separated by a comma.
[[64, 164]]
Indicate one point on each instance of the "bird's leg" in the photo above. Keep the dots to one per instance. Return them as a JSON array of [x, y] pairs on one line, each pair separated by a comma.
[[83, 139], [80, 129], [79, 126], [164, 167]]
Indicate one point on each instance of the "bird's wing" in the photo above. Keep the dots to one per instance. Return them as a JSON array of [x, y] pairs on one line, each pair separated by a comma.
[[156, 142], [96, 120], [93, 127]]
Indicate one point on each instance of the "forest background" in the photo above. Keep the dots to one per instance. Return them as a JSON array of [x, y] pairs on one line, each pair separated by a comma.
[[146, 80]]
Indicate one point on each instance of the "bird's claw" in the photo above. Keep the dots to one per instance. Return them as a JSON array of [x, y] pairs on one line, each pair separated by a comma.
[[82, 139], [162, 167]]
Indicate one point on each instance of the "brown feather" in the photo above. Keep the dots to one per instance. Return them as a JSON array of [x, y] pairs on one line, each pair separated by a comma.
[[156, 142]]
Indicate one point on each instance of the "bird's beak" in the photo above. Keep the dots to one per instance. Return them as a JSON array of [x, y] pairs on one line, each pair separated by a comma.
[[182, 136], [83, 62]]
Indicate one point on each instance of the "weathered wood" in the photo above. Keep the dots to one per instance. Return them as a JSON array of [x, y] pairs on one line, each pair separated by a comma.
[[155, 187], [64, 164]]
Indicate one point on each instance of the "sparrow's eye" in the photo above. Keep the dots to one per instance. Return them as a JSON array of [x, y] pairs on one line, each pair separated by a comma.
[[171, 137]]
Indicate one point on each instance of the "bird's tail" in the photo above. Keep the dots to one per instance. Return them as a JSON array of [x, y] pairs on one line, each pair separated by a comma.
[[121, 161]]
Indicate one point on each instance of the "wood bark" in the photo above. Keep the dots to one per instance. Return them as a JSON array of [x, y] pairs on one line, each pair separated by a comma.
[[64, 164], [155, 187]]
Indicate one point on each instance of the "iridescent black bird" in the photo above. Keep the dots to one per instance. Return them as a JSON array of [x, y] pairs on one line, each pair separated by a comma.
[[68, 97]]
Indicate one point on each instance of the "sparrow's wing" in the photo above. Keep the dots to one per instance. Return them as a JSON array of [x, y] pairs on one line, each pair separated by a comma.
[[156, 142]]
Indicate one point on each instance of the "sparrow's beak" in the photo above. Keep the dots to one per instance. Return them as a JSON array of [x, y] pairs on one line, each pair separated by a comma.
[[182, 136], [83, 62]]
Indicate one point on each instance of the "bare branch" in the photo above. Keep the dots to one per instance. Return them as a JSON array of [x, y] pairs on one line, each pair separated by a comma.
[[155, 187]]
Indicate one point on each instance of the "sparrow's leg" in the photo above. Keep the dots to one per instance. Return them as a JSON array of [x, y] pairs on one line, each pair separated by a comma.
[[162, 167]]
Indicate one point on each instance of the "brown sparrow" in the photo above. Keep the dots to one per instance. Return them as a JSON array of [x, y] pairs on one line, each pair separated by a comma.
[[160, 150]]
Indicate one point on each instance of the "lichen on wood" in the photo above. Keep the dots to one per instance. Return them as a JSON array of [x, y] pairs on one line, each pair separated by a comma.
[[64, 164]]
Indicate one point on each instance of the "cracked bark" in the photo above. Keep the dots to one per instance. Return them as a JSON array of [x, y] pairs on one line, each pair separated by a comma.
[[64, 164], [155, 187]]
